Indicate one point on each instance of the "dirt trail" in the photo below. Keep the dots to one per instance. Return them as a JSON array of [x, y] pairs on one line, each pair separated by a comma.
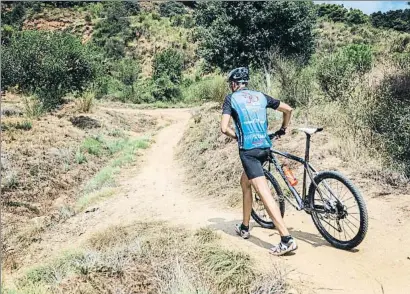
[[156, 192]]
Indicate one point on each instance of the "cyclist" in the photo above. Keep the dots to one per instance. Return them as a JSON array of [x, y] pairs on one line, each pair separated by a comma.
[[248, 110]]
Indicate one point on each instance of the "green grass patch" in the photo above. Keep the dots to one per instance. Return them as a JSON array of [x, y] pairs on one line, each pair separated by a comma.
[[92, 146], [93, 197], [126, 150], [80, 157]]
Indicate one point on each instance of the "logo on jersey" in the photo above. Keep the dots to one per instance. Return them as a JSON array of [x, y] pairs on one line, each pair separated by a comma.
[[250, 98]]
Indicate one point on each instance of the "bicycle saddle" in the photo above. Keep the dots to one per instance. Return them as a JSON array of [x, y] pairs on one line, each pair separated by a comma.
[[310, 131]]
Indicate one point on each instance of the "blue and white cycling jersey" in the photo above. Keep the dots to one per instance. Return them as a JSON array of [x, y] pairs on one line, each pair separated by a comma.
[[248, 109]]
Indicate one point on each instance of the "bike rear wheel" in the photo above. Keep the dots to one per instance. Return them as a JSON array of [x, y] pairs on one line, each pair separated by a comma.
[[259, 213], [338, 210]]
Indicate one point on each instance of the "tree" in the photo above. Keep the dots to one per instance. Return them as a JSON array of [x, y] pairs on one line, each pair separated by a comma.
[[356, 16], [171, 8], [113, 32], [235, 34], [170, 63], [394, 19], [47, 64], [333, 12]]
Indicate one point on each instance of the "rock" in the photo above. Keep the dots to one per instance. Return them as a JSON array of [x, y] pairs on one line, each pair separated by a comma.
[[91, 209], [85, 122]]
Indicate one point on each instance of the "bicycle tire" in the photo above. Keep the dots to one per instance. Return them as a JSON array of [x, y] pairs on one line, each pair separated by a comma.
[[278, 190], [362, 230]]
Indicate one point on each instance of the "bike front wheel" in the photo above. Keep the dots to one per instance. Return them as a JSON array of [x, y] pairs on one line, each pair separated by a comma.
[[338, 210], [259, 213]]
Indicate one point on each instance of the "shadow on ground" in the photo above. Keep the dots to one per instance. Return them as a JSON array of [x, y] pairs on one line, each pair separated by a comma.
[[227, 227]]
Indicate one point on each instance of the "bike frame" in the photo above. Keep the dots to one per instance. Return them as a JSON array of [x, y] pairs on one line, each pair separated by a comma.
[[308, 170]]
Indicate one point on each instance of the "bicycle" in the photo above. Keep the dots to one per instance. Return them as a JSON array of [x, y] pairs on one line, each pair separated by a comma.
[[328, 209]]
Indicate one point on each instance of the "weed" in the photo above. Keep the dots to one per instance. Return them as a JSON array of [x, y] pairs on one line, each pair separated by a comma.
[[11, 180], [93, 197], [86, 101], [92, 146], [206, 235], [80, 157], [33, 108], [24, 125]]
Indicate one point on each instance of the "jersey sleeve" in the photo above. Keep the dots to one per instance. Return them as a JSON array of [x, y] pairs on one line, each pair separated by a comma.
[[272, 102], [227, 106]]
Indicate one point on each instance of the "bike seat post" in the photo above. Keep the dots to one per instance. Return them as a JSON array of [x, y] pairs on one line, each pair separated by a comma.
[[307, 150]]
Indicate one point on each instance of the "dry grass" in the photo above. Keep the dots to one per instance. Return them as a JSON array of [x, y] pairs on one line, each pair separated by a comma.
[[151, 258], [86, 101]]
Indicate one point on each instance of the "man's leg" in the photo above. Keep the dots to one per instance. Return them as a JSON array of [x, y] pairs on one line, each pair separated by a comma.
[[261, 187], [247, 199]]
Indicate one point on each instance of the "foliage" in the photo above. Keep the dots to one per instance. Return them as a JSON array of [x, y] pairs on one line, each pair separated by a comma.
[[242, 33], [171, 8], [12, 17], [394, 19], [113, 32], [86, 101], [165, 89], [128, 71], [337, 71], [48, 64], [334, 12], [390, 118], [170, 63], [356, 16], [295, 80], [209, 89]]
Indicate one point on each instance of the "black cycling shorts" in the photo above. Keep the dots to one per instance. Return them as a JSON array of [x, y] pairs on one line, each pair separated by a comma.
[[252, 161]]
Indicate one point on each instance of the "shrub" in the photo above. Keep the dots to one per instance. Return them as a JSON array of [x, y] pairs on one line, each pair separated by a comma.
[[337, 71], [33, 108], [210, 89], [166, 90], [356, 16], [128, 71], [49, 64], [390, 118], [113, 32], [171, 8], [169, 63], [86, 101], [295, 80]]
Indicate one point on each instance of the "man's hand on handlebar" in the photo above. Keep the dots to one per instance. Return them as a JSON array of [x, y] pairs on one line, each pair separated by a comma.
[[278, 134]]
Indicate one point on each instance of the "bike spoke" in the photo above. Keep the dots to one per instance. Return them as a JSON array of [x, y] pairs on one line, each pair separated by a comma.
[[350, 228], [344, 230]]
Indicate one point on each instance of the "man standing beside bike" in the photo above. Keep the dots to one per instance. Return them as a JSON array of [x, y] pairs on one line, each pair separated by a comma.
[[248, 110]]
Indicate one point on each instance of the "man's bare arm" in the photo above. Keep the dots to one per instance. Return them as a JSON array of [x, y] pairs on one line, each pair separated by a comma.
[[287, 113], [225, 128]]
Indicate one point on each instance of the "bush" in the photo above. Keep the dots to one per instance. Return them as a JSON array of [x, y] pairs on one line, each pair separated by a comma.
[[210, 89], [113, 32], [171, 8], [165, 89], [169, 63], [337, 71], [356, 16], [49, 64], [295, 80], [390, 118], [127, 71], [86, 101]]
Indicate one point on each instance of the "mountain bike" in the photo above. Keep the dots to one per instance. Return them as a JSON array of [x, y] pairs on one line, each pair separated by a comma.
[[334, 203]]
